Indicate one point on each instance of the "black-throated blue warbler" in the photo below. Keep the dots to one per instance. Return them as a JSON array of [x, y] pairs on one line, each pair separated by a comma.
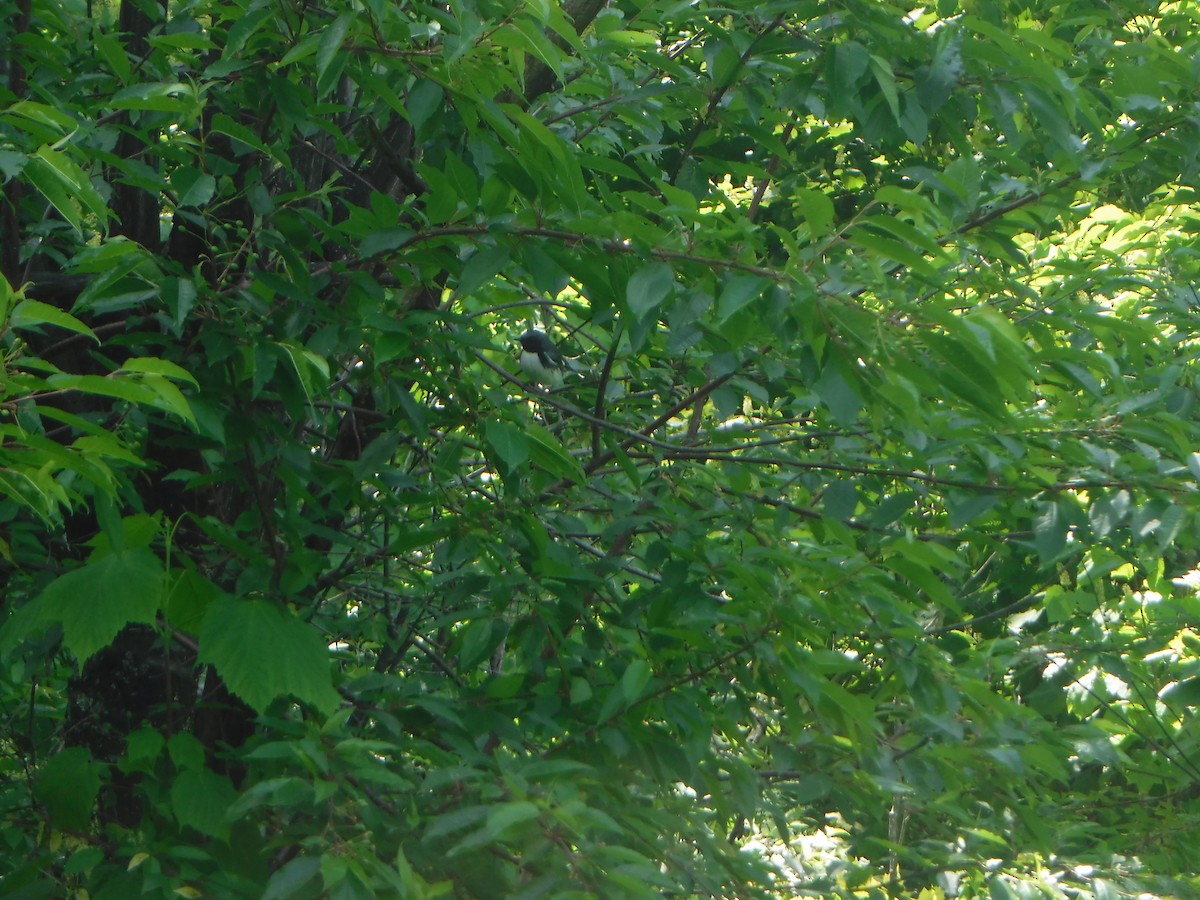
[[540, 359]]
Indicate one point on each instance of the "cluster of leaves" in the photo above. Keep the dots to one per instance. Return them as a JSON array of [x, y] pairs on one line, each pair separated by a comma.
[[870, 515]]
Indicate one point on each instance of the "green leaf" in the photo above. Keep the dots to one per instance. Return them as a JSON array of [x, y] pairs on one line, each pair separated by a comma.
[[264, 653], [332, 38], [193, 187], [482, 267], [223, 123], [188, 597], [142, 750], [634, 680], [311, 369], [29, 111], [1050, 532], [648, 287], [887, 248], [84, 861], [423, 100], [62, 183], [817, 209], [32, 313], [75, 180], [886, 79], [179, 295], [68, 785], [293, 878], [507, 816], [838, 395], [168, 397], [154, 366], [476, 642], [1185, 692], [849, 60], [160, 97], [302, 49], [11, 164], [147, 390], [549, 454], [94, 602], [840, 499], [510, 443], [724, 62], [201, 799], [739, 291], [384, 240]]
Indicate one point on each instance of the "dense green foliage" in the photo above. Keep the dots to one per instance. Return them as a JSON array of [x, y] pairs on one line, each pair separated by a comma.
[[872, 518]]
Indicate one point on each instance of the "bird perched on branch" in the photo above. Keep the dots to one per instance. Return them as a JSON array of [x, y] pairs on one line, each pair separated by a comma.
[[541, 361]]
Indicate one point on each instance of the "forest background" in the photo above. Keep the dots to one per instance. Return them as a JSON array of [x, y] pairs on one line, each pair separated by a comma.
[[860, 561]]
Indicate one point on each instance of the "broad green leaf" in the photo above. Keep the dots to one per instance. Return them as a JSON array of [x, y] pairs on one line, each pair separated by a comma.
[[7, 298], [849, 62], [153, 366], [31, 313], [66, 187], [95, 601], [510, 443], [648, 288], [11, 164], [302, 49], [381, 241], [724, 61], [482, 267], [634, 680], [162, 97], [332, 38], [147, 389], [1182, 693], [506, 816], [264, 654], [460, 818], [37, 493], [839, 395], [311, 369], [200, 799], [223, 123], [84, 861], [886, 248], [142, 750], [886, 79], [1050, 532], [293, 878], [118, 388], [168, 397], [188, 597], [179, 295], [738, 292], [476, 642], [43, 115], [840, 499], [548, 453], [423, 100], [817, 209], [67, 785], [192, 187], [968, 372]]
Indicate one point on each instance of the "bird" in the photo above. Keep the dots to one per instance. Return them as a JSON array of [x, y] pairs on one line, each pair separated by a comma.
[[540, 359]]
